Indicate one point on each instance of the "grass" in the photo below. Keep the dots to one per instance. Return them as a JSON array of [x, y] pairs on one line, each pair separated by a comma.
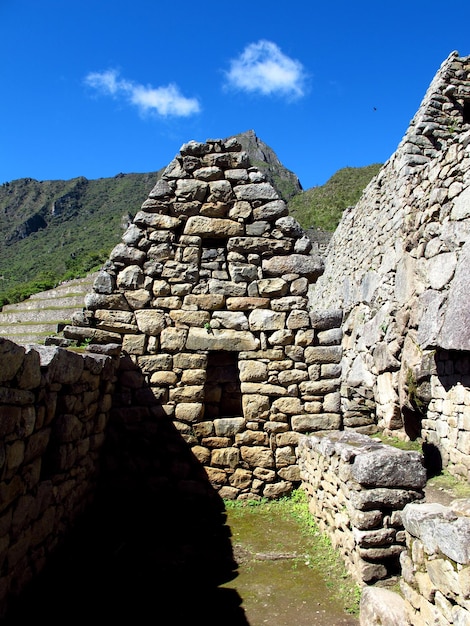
[[322, 207], [320, 555], [401, 444], [446, 481]]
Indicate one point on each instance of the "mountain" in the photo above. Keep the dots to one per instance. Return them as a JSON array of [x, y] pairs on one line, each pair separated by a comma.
[[57, 230], [262, 156], [54, 230], [321, 207]]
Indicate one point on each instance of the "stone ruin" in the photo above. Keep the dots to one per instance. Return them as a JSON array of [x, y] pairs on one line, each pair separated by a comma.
[[207, 294], [227, 324], [398, 266]]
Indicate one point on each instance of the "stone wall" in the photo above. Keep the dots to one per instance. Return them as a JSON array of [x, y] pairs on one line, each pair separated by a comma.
[[436, 566], [398, 265], [207, 294], [357, 488], [435, 583], [54, 408]]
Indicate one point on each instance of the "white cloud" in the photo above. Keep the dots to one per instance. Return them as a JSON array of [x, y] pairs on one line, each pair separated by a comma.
[[165, 101], [262, 67]]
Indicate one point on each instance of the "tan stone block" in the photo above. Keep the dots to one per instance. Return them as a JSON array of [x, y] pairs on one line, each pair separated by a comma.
[[189, 411], [316, 422], [155, 362], [150, 322], [255, 407], [166, 378], [245, 303], [173, 339], [214, 227], [134, 344], [138, 299], [223, 339], [215, 475], [257, 456], [190, 393], [190, 318], [294, 376], [241, 478], [225, 457], [188, 360], [202, 454], [265, 320], [205, 302], [160, 288], [290, 406], [167, 302], [193, 377], [253, 371], [263, 389]]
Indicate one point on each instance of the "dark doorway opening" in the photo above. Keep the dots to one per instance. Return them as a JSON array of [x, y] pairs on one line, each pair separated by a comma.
[[466, 112], [222, 392]]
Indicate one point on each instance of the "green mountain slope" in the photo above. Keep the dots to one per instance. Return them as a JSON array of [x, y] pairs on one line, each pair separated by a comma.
[[321, 207], [54, 230]]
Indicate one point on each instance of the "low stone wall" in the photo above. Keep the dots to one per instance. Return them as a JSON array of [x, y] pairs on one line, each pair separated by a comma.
[[436, 566], [54, 407], [357, 488], [435, 582]]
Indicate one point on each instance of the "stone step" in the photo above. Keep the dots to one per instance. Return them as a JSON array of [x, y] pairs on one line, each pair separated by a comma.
[[45, 313], [25, 316], [75, 300], [11, 330]]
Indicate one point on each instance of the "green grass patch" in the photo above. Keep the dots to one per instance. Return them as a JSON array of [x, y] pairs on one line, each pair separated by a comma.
[[396, 442], [446, 481]]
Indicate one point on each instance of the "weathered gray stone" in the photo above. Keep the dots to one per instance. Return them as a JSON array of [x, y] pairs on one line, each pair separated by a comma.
[[213, 227], [310, 266], [271, 211], [265, 320], [381, 607], [455, 331], [223, 339], [255, 191], [390, 467]]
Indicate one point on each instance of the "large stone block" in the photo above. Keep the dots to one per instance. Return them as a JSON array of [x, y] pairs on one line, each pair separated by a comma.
[[221, 339]]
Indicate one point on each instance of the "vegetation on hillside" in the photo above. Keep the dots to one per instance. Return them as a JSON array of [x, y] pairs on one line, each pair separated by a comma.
[[322, 207], [58, 230]]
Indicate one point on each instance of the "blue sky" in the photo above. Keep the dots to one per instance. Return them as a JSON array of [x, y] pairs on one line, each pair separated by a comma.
[[98, 87]]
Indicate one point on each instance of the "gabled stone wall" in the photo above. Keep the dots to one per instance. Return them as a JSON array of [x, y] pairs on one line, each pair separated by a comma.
[[207, 294]]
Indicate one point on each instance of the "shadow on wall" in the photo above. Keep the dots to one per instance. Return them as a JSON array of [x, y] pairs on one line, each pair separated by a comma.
[[155, 547]]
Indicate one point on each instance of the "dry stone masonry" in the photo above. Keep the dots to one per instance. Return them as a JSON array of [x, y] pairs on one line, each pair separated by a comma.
[[207, 294], [247, 365], [54, 410], [357, 488], [436, 565], [398, 265]]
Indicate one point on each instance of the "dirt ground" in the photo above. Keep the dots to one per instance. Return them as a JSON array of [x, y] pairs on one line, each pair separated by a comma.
[[276, 582]]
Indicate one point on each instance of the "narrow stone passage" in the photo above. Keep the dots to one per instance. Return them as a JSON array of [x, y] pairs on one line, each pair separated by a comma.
[[278, 582]]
